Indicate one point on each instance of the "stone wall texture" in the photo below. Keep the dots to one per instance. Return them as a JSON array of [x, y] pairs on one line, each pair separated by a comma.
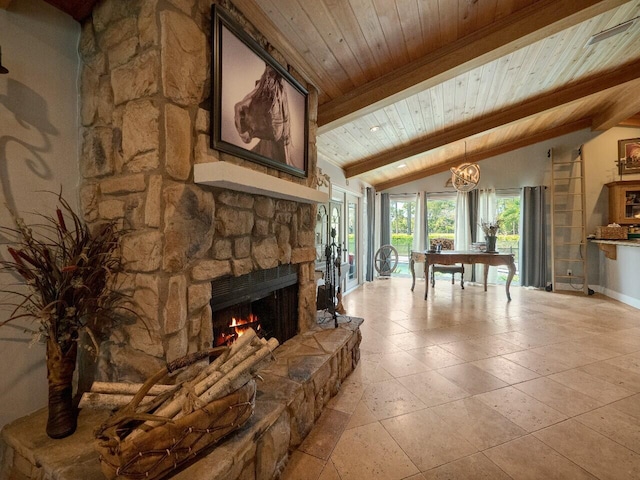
[[145, 91]]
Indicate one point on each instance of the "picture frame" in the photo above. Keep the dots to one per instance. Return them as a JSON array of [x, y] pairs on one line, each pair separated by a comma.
[[629, 156], [259, 111]]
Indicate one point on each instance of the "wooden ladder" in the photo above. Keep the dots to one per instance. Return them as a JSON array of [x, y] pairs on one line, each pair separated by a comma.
[[568, 223]]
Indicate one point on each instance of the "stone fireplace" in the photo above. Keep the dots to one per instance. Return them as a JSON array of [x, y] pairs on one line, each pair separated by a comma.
[[145, 88]]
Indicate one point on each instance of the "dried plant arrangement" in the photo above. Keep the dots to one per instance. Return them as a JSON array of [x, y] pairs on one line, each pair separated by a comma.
[[70, 273]]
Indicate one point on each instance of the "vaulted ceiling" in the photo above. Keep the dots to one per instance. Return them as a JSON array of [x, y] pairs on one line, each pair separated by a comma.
[[438, 77], [449, 81]]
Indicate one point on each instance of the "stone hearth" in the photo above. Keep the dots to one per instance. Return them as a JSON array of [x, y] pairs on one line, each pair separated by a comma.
[[307, 372]]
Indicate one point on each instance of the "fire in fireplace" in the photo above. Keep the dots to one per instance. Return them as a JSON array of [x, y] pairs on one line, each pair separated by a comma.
[[265, 300]]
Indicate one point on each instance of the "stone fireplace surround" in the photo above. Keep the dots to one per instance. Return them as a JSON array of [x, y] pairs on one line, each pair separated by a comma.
[[145, 87]]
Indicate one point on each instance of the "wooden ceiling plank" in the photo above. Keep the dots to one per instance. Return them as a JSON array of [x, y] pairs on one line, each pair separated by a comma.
[[488, 153], [506, 35], [5, 3], [625, 106], [541, 103], [261, 21]]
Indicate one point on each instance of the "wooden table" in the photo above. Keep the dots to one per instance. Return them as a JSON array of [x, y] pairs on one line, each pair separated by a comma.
[[450, 257]]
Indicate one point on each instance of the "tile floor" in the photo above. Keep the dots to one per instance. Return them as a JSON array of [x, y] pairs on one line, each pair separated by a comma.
[[467, 386]]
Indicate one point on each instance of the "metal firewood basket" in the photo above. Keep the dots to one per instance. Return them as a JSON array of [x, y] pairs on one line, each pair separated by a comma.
[[161, 449]]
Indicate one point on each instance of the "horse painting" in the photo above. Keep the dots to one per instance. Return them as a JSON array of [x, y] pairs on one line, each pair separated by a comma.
[[264, 114]]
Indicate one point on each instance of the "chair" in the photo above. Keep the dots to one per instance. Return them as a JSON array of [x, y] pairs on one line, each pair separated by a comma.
[[446, 244]]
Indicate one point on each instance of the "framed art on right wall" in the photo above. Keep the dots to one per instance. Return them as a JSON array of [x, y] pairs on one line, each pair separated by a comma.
[[629, 156]]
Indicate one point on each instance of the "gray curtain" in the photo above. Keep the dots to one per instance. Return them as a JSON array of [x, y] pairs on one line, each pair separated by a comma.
[[371, 211], [385, 220], [473, 222], [533, 248]]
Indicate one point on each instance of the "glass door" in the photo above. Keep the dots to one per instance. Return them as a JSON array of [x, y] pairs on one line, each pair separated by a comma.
[[353, 239]]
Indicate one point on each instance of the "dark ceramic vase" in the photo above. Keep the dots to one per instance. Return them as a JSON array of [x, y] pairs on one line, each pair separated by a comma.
[[491, 244], [62, 419]]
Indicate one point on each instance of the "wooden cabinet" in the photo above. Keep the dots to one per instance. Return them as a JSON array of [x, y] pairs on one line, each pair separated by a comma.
[[624, 202]]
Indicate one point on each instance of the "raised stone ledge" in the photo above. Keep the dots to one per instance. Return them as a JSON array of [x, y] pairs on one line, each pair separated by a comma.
[[307, 371]]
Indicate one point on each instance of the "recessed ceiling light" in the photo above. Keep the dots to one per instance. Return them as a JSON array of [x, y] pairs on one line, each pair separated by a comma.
[[402, 165], [610, 32], [375, 128]]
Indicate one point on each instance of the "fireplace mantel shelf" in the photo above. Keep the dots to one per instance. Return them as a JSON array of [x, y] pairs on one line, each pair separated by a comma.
[[235, 177]]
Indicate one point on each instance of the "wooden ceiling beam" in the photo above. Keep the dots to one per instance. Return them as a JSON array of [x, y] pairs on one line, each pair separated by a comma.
[[475, 157], [631, 121], [626, 105], [524, 27], [543, 102]]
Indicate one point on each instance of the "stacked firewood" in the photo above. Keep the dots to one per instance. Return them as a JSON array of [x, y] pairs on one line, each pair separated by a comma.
[[234, 367]]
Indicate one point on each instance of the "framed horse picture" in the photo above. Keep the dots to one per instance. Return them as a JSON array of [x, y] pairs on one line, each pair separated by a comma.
[[260, 112]]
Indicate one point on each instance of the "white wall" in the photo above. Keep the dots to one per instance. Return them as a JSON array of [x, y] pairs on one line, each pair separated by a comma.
[[38, 151]]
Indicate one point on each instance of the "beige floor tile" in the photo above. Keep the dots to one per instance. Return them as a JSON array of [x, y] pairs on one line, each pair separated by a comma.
[[471, 378], [629, 405], [473, 467], [505, 370], [369, 452], [614, 424], [530, 338], [495, 345], [329, 472], [361, 416], [409, 340], [385, 327], [435, 357], [432, 388], [592, 386], [597, 454], [443, 335], [427, 439], [618, 376], [347, 399], [302, 467], [527, 458], [564, 354], [558, 396], [390, 398], [628, 362], [538, 363], [467, 350], [368, 372], [325, 433], [606, 346], [374, 342], [477, 423], [419, 476], [521, 409], [401, 364]]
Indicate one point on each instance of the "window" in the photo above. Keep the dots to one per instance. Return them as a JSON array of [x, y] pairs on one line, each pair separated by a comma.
[[402, 210], [508, 210], [441, 216]]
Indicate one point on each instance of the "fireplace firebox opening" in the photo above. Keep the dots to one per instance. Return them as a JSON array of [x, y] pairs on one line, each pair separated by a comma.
[[265, 300]]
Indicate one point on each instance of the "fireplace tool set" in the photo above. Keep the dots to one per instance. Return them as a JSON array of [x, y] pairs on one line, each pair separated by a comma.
[[332, 294]]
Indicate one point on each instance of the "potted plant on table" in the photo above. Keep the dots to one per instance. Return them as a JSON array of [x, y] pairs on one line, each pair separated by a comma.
[[70, 278], [490, 230]]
